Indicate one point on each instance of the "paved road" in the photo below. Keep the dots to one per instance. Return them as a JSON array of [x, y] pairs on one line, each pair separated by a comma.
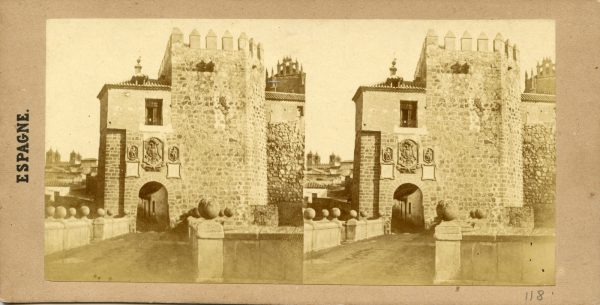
[[135, 257], [398, 259]]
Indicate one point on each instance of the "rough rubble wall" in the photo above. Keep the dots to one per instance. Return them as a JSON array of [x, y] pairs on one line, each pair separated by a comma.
[[539, 172], [285, 165], [478, 145], [219, 122]]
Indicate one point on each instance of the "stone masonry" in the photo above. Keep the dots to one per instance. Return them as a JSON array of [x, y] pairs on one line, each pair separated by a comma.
[[539, 161], [285, 151], [211, 140], [467, 98]]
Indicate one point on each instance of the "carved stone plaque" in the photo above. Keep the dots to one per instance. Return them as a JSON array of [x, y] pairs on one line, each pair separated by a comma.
[[388, 155], [132, 169], [408, 152], [428, 156], [132, 153], [173, 170], [174, 154], [387, 171], [153, 154], [428, 172]]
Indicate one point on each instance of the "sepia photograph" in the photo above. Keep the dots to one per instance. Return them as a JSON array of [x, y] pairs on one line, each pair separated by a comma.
[[296, 151]]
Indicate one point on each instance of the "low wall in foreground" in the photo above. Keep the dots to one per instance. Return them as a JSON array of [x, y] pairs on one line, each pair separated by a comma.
[[105, 228], [328, 233], [513, 257], [62, 233], [249, 254]]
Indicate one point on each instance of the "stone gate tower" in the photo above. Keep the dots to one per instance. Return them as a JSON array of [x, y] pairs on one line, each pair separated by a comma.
[[452, 134], [199, 130]]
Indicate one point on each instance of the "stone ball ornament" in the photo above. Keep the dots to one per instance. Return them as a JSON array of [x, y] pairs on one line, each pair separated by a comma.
[[101, 212], [208, 209], [325, 213], [85, 211], [72, 212], [60, 213], [195, 213], [309, 214], [363, 214], [450, 213], [228, 212], [50, 211], [439, 209], [353, 214], [336, 212]]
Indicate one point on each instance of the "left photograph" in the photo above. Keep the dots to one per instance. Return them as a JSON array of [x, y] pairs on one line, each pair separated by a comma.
[[172, 155]]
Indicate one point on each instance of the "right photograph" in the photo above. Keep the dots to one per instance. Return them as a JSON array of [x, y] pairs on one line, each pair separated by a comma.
[[452, 176]]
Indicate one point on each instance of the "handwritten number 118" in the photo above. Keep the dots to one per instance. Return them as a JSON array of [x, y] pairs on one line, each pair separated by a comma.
[[529, 295]]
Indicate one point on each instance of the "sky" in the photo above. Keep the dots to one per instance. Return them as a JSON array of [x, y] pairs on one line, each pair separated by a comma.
[[337, 55]]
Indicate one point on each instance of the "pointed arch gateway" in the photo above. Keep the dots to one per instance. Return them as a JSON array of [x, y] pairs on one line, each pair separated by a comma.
[[153, 208], [407, 211]]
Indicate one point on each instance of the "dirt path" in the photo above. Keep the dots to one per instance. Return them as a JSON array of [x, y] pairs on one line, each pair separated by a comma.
[[404, 259], [136, 257]]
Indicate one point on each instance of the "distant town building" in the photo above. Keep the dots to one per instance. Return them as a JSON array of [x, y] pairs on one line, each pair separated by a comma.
[[61, 177], [334, 172], [544, 79], [290, 77]]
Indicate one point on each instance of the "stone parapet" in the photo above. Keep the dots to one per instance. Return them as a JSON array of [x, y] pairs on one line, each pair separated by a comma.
[[106, 227], [329, 233], [245, 254], [62, 233], [485, 256]]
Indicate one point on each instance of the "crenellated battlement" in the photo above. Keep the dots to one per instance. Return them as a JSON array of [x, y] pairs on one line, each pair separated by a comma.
[[482, 43], [210, 42], [460, 55], [200, 53]]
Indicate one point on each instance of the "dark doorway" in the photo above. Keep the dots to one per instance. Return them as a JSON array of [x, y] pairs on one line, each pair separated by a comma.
[[153, 208], [407, 211]]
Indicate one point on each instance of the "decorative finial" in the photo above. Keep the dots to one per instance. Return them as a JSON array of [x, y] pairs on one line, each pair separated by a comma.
[[138, 78], [393, 68], [138, 67]]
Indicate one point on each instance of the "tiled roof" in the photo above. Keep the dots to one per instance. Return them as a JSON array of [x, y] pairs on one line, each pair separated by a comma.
[[384, 86], [538, 98], [284, 96], [150, 84], [56, 183], [314, 185]]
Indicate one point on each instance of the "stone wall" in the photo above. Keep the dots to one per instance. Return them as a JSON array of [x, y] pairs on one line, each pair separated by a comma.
[[219, 118], [285, 160], [468, 114], [114, 171], [249, 254], [213, 113], [539, 172], [474, 124], [365, 190], [330, 231]]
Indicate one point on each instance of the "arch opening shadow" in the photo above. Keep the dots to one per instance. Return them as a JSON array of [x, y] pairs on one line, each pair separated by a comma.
[[407, 211], [153, 208]]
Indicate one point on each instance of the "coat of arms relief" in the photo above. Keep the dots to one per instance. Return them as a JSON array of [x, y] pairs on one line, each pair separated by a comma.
[[153, 154]]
